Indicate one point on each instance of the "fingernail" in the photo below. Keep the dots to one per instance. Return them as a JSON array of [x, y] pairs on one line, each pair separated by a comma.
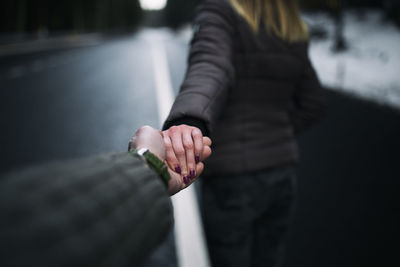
[[178, 169], [197, 159], [186, 179], [192, 174]]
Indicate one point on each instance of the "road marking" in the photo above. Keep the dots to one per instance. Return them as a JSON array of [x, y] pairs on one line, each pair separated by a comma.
[[189, 236], [163, 83]]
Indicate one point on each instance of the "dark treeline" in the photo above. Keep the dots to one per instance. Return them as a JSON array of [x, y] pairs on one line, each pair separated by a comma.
[[318, 4], [66, 15], [27, 16], [180, 11]]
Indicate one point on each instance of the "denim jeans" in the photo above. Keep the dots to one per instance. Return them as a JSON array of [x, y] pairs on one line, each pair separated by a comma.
[[246, 216]]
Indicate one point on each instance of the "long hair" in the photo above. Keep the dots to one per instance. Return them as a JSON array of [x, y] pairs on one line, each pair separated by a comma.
[[281, 17]]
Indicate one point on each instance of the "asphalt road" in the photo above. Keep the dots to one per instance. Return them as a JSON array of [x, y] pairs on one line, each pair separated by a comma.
[[74, 103], [349, 179], [77, 102]]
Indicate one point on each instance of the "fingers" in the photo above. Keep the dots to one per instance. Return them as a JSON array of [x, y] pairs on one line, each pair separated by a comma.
[[188, 145], [207, 141], [176, 182], [172, 161], [206, 153], [197, 137], [178, 148], [185, 148], [199, 170]]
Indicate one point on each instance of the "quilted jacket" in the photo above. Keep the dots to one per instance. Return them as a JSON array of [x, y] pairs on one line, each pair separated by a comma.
[[106, 210], [250, 92]]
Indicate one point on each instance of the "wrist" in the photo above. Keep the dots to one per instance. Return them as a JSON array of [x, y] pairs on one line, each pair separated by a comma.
[[153, 162]]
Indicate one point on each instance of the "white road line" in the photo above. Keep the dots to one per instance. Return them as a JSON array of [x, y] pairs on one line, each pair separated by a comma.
[[189, 234], [165, 96]]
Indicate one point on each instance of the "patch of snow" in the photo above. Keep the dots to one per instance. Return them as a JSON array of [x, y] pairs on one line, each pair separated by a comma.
[[370, 67]]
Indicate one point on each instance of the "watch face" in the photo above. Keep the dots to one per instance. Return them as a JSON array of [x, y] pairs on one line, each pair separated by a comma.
[[142, 151]]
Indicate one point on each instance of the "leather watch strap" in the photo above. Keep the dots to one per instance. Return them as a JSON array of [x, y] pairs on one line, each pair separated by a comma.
[[154, 163]]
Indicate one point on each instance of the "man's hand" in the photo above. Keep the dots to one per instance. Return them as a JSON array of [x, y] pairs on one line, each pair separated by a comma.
[[152, 139]]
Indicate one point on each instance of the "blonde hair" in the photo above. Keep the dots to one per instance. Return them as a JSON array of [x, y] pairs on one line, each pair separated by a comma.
[[281, 17]]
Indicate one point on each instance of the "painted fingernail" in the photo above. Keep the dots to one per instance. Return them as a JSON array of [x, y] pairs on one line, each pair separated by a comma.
[[192, 174], [197, 159], [178, 169], [186, 179]]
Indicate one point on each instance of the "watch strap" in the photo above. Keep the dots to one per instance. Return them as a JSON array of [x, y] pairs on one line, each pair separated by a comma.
[[154, 163]]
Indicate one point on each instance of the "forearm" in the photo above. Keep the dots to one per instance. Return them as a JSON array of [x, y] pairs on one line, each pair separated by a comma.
[[109, 209], [210, 70]]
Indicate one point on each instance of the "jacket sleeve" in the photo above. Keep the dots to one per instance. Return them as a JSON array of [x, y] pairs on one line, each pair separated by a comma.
[[309, 98], [210, 69], [108, 210]]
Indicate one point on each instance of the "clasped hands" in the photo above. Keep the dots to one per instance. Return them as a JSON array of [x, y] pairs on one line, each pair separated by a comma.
[[182, 148]]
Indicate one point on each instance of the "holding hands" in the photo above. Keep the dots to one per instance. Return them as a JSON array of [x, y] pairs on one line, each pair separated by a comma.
[[185, 149], [182, 148]]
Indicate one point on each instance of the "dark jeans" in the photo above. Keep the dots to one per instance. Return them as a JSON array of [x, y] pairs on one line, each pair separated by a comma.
[[246, 217]]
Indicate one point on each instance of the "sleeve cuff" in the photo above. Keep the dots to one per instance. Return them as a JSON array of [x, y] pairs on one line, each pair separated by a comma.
[[189, 121]]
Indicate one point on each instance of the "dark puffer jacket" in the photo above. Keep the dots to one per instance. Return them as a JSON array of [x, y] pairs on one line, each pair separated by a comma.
[[250, 92]]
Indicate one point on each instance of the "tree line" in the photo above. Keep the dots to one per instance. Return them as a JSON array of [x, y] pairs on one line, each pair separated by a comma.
[[25, 16], [62, 15]]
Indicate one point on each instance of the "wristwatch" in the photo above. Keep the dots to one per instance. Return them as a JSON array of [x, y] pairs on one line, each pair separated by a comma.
[[153, 162]]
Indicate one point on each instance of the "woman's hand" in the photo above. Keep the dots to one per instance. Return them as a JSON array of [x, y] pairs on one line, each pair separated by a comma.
[[176, 183], [152, 139], [185, 150]]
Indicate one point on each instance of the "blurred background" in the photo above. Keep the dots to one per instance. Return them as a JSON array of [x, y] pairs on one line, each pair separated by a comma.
[[78, 78]]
